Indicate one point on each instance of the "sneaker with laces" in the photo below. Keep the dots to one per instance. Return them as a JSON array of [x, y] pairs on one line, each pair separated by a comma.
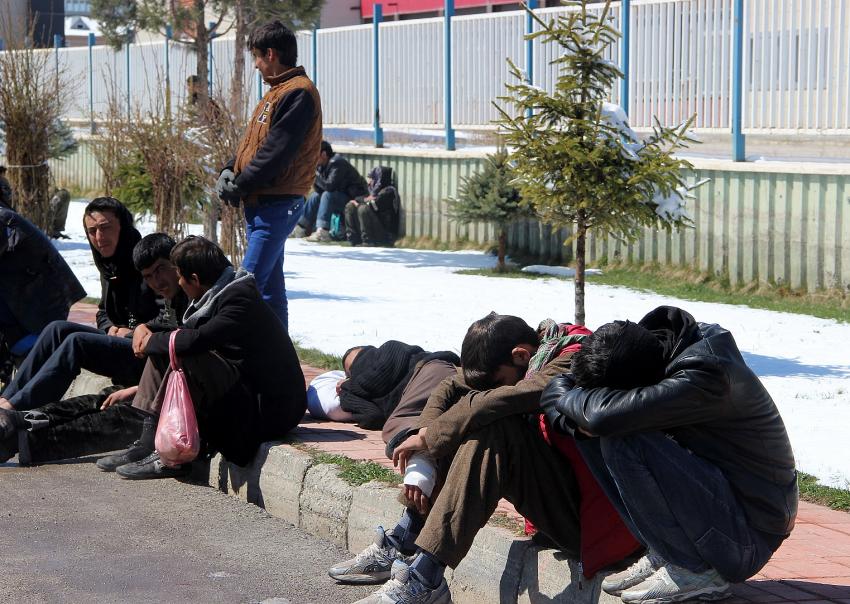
[[370, 566], [405, 587], [152, 467], [637, 573], [321, 236], [672, 583]]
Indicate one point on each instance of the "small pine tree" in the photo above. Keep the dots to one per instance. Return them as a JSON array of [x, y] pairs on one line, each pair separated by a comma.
[[576, 159], [489, 195]]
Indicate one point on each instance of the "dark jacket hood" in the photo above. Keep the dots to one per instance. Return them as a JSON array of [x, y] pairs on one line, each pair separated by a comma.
[[675, 328], [121, 263]]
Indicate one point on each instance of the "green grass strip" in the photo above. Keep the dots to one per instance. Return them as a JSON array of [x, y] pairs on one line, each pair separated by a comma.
[[354, 472], [317, 358], [811, 491]]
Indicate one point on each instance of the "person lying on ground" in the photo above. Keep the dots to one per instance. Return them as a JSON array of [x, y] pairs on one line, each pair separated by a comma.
[[58, 429], [377, 376], [696, 459], [241, 368], [337, 182], [36, 287], [374, 220], [131, 277], [476, 426]]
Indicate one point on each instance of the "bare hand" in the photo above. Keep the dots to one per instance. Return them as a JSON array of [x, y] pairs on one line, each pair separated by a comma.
[[339, 386], [403, 452], [119, 332], [4, 404], [141, 335], [119, 396], [415, 496]]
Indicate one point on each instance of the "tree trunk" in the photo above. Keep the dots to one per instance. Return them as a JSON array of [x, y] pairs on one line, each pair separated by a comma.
[[503, 242], [581, 240], [237, 84]]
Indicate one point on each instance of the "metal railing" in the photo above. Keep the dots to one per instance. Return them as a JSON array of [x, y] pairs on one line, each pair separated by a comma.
[[794, 66]]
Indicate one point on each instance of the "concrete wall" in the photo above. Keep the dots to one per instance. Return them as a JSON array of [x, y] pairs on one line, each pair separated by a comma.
[[753, 222]]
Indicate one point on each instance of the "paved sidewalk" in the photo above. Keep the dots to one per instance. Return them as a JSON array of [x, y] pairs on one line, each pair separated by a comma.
[[812, 566]]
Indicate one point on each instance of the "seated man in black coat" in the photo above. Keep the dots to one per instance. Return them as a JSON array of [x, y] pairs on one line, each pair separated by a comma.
[[36, 287], [697, 460], [134, 272], [241, 367]]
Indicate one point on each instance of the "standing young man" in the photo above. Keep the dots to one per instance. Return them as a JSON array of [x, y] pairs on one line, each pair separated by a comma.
[[276, 159]]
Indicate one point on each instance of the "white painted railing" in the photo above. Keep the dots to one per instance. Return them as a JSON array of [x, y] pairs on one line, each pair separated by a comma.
[[796, 67]]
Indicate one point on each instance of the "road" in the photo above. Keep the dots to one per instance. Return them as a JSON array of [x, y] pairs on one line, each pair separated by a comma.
[[72, 534]]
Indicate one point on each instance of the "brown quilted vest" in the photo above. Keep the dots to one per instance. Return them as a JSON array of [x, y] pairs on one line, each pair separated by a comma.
[[297, 177]]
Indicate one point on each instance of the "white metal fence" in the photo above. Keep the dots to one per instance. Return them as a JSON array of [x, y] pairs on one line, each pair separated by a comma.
[[796, 67]]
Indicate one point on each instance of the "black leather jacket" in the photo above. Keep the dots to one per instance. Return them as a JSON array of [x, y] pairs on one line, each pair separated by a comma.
[[712, 404]]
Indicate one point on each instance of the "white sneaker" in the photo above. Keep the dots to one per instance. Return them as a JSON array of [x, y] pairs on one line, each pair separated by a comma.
[[637, 573], [372, 565], [321, 235], [405, 588], [672, 583]]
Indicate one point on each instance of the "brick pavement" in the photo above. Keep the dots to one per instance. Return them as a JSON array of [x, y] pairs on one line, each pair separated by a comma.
[[812, 566]]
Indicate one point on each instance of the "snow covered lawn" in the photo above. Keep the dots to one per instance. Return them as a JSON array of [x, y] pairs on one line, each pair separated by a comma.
[[340, 297]]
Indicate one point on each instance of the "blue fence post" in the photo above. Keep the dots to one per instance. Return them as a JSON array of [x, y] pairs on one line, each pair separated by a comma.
[[529, 47], [169, 32], [377, 15], [625, 42], [127, 68], [314, 50], [259, 85], [57, 43], [210, 55], [91, 81], [738, 147], [447, 84], [2, 44]]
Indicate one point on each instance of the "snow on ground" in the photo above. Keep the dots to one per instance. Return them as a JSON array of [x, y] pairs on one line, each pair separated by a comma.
[[340, 297]]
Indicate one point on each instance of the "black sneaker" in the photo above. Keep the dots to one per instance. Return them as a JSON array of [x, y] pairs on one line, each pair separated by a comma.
[[10, 422], [137, 451], [152, 467]]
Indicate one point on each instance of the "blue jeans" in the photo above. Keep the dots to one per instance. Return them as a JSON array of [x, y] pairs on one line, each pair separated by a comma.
[[678, 504], [62, 350], [268, 225], [318, 209]]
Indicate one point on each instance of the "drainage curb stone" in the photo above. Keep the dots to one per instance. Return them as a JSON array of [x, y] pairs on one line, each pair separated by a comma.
[[372, 504], [324, 504]]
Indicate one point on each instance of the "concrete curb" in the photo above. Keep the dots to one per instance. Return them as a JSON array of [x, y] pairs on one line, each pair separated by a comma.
[[500, 568], [288, 484]]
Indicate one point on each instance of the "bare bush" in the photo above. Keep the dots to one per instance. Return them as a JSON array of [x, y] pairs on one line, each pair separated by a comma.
[[31, 104]]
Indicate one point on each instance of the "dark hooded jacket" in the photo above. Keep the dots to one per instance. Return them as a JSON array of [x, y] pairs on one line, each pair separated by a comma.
[[233, 321], [340, 175], [35, 281], [711, 403], [125, 299], [385, 200], [378, 377]]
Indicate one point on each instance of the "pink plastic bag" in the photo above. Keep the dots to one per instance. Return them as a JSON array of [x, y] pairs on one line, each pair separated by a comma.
[[177, 439]]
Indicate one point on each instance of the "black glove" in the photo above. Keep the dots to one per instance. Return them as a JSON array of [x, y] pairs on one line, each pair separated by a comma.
[[227, 189], [552, 393]]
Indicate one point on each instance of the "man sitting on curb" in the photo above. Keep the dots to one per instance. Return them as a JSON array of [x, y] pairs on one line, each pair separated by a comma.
[[65, 348], [697, 461], [337, 182], [474, 424], [59, 429], [240, 365]]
